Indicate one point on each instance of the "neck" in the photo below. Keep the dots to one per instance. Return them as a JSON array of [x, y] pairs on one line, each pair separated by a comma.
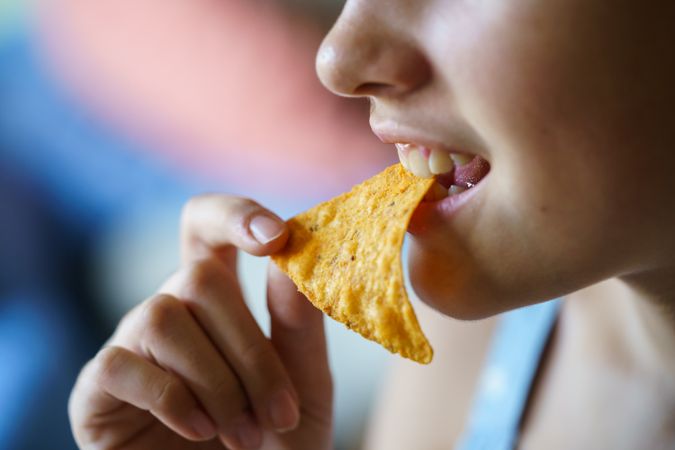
[[630, 319]]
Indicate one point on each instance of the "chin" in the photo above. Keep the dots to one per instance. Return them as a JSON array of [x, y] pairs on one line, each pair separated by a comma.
[[451, 288]]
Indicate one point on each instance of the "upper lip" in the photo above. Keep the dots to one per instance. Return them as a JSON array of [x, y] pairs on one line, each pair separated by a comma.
[[399, 134]]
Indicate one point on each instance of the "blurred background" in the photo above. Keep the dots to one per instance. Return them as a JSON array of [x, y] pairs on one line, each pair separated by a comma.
[[112, 114]]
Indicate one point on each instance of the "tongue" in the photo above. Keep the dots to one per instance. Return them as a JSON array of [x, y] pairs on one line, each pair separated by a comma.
[[470, 174], [467, 175]]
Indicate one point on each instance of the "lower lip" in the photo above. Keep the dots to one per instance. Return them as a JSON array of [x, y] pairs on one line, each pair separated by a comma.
[[430, 213]]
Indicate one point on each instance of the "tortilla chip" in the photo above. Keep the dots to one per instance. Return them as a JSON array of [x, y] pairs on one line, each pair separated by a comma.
[[344, 255]]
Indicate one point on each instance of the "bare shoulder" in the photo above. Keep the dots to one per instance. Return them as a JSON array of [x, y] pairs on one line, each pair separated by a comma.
[[426, 406]]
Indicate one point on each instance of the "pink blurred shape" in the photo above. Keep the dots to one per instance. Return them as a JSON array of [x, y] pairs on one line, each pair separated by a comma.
[[222, 88]]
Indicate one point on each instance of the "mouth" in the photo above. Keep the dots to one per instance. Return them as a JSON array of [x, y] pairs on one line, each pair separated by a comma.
[[455, 172]]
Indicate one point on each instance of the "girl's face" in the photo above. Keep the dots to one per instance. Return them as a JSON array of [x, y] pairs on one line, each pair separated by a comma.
[[571, 103]]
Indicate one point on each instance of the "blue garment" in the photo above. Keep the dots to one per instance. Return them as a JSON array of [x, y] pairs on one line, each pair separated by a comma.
[[506, 381]]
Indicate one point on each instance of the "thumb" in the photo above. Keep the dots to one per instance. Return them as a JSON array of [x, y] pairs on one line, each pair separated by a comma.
[[299, 338]]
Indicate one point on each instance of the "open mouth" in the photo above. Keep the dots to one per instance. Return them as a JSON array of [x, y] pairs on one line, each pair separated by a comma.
[[455, 173]]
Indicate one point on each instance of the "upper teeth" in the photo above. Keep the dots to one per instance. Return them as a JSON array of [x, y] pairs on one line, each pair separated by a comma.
[[426, 163], [460, 158], [419, 165]]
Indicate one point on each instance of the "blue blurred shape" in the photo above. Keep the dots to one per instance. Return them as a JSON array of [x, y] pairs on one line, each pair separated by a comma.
[[64, 178], [38, 357], [85, 170]]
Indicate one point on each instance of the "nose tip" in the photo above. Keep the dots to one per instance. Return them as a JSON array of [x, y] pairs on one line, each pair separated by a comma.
[[356, 62], [328, 69]]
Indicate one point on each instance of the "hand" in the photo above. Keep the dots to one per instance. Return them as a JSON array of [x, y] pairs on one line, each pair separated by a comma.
[[189, 368]]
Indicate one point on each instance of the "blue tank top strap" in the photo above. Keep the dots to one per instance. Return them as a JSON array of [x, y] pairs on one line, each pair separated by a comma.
[[507, 377]]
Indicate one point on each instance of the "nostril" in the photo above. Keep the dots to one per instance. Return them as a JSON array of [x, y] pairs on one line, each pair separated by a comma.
[[374, 89], [354, 61]]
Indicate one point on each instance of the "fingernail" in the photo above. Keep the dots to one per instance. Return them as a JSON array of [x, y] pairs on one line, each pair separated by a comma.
[[203, 425], [283, 411], [265, 229], [248, 433]]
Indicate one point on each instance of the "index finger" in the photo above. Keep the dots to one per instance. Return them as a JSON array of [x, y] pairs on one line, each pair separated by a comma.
[[217, 224]]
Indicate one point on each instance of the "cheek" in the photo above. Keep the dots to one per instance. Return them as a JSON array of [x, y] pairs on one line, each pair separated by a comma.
[[546, 226], [559, 155], [564, 206]]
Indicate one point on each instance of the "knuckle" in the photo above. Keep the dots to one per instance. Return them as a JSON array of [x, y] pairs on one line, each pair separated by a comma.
[[238, 211], [107, 364], [187, 215], [161, 313], [169, 395], [260, 359], [245, 203], [127, 322], [227, 203], [232, 400], [191, 206], [258, 355], [226, 389]]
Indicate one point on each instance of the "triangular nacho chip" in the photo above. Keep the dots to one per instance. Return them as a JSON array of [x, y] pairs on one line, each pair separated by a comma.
[[344, 255]]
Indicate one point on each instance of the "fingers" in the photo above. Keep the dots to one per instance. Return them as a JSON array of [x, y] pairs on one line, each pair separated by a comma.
[[218, 224], [195, 357], [130, 378], [213, 297], [170, 335], [299, 339]]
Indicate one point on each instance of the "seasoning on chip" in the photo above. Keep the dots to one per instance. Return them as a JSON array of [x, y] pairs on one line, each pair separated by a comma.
[[344, 255]]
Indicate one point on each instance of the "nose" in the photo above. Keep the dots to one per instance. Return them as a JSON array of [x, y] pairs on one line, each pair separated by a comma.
[[365, 56]]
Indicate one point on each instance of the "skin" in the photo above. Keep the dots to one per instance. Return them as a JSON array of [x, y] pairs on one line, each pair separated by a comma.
[[190, 369], [584, 87], [570, 102]]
